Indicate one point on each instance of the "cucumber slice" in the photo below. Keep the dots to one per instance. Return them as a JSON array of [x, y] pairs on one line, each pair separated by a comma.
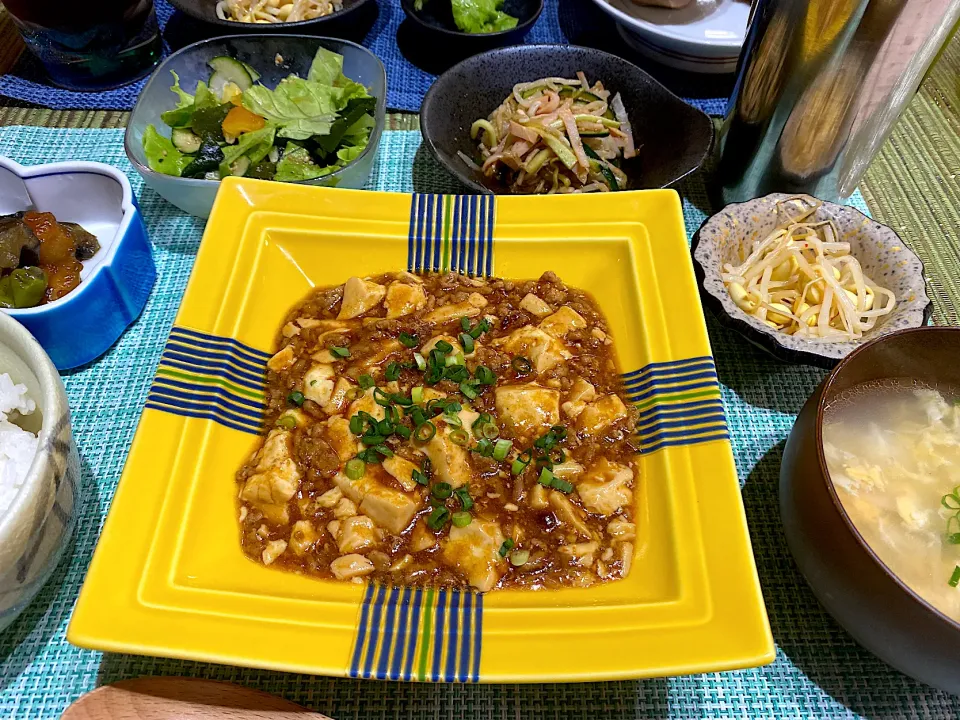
[[240, 166], [185, 140], [225, 70], [254, 75]]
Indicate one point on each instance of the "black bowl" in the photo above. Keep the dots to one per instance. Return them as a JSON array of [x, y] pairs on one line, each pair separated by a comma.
[[672, 137], [332, 25], [434, 24]]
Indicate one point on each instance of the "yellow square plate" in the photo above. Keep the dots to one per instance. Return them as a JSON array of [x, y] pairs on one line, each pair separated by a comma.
[[169, 578]]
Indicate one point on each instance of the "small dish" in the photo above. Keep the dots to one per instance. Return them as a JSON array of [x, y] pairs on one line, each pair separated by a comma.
[[169, 576], [701, 37], [115, 283], [41, 517], [882, 255], [434, 23], [851, 582], [672, 138], [195, 196], [339, 22]]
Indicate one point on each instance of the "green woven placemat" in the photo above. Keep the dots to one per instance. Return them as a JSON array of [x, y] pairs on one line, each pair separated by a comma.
[[819, 670]]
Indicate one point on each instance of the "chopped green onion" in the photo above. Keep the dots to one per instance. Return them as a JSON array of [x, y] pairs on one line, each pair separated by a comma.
[[384, 450], [484, 375], [443, 347], [501, 449], [417, 395], [480, 328], [433, 375], [506, 547], [519, 465], [546, 477], [455, 359], [420, 478], [403, 431], [521, 365], [425, 431], [287, 422], [461, 519], [556, 455], [421, 363], [469, 389], [484, 447], [519, 557], [296, 398], [438, 518], [408, 340], [467, 342], [459, 437], [442, 490], [452, 419], [453, 407], [355, 468], [954, 538], [385, 427], [382, 397], [465, 323], [559, 431], [437, 406], [366, 382], [401, 400], [481, 420], [393, 371], [456, 373], [369, 456], [340, 352], [562, 485], [955, 578], [356, 425], [372, 439], [463, 495], [490, 431], [418, 417]]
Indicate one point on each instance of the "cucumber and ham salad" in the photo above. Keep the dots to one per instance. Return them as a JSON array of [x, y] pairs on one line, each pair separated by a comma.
[[555, 135]]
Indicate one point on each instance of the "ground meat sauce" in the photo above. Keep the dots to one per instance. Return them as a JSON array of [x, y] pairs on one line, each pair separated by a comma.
[[458, 496]]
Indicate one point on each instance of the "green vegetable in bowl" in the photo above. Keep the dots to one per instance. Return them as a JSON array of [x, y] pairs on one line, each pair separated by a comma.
[[302, 129], [478, 16]]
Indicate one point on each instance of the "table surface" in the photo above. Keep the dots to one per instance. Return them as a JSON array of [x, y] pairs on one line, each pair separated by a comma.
[[912, 185]]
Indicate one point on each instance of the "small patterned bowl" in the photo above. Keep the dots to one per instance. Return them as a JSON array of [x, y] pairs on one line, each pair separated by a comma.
[[115, 283], [40, 520], [882, 254]]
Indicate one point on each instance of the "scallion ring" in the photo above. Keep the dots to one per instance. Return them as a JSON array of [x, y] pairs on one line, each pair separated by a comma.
[[355, 468]]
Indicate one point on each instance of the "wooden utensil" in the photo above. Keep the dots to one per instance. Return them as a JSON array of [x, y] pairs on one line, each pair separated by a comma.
[[179, 698]]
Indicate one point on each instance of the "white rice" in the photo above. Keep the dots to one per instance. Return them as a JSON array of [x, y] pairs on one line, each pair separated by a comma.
[[17, 446]]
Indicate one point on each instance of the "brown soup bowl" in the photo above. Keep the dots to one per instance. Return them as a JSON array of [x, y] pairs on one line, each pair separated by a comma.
[[862, 594]]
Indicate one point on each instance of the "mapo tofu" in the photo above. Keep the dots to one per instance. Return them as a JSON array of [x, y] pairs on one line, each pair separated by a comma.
[[448, 431]]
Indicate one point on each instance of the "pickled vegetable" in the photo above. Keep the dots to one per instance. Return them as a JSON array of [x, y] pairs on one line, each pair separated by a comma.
[[27, 286], [240, 120]]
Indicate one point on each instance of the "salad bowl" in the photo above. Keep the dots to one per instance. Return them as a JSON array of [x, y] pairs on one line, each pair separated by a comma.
[[272, 58]]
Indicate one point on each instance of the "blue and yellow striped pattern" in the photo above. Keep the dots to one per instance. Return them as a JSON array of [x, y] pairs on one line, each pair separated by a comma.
[[212, 378], [425, 634], [679, 403], [451, 233]]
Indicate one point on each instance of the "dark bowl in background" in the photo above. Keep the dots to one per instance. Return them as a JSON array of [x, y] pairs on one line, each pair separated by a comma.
[[434, 24], [672, 137], [862, 594], [331, 25]]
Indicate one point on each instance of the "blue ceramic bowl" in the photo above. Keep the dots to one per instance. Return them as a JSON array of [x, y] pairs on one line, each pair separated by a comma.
[[115, 283]]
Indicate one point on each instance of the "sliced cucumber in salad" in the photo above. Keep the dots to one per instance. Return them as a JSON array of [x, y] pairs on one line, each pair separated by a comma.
[[228, 70], [185, 140]]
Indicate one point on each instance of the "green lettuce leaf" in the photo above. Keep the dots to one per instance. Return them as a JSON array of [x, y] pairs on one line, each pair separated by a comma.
[[298, 107], [481, 16], [297, 164], [350, 153], [255, 145], [162, 156], [187, 104], [326, 68]]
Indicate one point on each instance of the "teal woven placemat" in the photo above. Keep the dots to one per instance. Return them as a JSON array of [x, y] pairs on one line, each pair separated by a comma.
[[819, 670]]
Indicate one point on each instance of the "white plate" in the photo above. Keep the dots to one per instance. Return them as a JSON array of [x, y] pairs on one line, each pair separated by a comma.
[[704, 29]]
